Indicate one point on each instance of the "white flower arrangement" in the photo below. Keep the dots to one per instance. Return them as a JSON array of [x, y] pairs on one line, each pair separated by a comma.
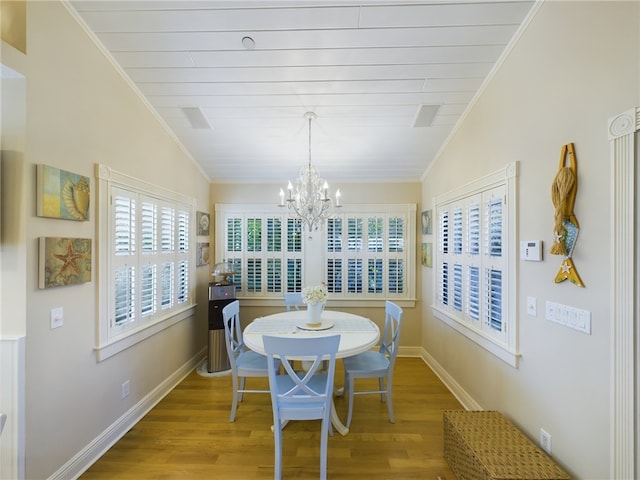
[[314, 294]]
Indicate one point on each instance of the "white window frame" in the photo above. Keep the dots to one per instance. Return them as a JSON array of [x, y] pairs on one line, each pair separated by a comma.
[[502, 343], [314, 251], [406, 256], [112, 338]]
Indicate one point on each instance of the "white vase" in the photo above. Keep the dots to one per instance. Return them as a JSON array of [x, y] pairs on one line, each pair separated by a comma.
[[314, 313]]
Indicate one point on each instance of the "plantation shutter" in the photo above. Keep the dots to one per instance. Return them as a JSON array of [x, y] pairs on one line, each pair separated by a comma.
[[363, 256], [474, 293], [474, 250], [396, 268], [494, 224], [145, 262], [183, 264], [294, 255], [334, 251], [124, 255], [443, 248], [167, 285], [274, 254], [233, 252], [375, 275]]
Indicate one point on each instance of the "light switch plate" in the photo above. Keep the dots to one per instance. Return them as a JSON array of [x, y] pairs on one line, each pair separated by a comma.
[[571, 317], [57, 317]]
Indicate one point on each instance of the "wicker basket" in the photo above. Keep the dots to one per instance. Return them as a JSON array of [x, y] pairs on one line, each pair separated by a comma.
[[484, 445]]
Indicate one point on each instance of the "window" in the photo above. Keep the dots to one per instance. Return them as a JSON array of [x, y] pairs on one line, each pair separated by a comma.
[[265, 251], [376, 258], [146, 258], [366, 253], [475, 262]]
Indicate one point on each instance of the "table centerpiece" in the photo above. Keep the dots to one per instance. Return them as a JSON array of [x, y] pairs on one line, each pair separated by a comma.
[[315, 298]]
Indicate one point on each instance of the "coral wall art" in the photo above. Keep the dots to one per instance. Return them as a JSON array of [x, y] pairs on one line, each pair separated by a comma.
[[62, 194], [64, 261]]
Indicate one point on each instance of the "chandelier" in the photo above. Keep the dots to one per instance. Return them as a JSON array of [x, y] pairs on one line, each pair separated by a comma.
[[309, 201]]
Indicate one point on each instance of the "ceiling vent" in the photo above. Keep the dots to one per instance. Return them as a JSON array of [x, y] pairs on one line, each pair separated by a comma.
[[196, 118], [425, 115]]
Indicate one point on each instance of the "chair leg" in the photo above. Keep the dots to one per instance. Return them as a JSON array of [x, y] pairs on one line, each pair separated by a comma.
[[277, 440], [323, 447], [330, 422], [242, 383], [234, 403], [349, 386], [390, 402], [381, 388]]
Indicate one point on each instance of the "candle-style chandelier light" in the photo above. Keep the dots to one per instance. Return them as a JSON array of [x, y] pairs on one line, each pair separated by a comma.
[[310, 199]]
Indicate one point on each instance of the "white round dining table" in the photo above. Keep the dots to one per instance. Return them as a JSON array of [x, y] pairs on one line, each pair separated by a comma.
[[357, 334]]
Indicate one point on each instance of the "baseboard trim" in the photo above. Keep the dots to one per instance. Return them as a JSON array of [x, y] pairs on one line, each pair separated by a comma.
[[86, 457], [454, 387], [80, 462]]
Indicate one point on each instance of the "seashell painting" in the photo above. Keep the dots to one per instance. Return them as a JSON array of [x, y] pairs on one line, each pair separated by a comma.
[[62, 194]]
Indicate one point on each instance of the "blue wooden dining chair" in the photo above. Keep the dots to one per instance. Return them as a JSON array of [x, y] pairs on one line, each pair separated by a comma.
[[376, 364], [293, 300], [303, 395], [244, 363]]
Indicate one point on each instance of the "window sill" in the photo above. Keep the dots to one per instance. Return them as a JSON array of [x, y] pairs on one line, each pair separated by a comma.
[[508, 356], [129, 339]]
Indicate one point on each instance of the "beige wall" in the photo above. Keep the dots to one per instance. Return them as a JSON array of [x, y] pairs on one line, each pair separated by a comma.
[[575, 66], [79, 112], [13, 23], [566, 76]]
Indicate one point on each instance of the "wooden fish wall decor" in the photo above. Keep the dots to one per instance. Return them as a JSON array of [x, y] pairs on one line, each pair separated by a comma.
[[566, 227]]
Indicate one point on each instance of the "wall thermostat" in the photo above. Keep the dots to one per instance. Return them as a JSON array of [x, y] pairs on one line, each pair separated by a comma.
[[531, 250]]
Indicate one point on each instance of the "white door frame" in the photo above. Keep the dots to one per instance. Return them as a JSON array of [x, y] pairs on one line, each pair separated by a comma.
[[623, 132]]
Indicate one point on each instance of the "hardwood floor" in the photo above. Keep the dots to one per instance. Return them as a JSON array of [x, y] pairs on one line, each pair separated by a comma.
[[188, 435]]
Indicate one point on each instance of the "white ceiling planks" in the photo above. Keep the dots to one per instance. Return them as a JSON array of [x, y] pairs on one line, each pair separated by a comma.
[[366, 69]]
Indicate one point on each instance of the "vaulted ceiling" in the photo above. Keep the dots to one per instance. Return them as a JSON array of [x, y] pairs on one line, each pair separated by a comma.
[[388, 81]]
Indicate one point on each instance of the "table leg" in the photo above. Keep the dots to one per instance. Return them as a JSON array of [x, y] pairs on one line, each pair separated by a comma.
[[335, 419], [284, 424], [336, 422]]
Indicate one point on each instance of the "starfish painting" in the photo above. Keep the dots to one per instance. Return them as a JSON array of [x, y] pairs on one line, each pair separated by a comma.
[[70, 258], [64, 261]]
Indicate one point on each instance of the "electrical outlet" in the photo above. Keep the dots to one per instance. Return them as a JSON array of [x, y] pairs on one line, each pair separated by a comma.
[[545, 441], [125, 389]]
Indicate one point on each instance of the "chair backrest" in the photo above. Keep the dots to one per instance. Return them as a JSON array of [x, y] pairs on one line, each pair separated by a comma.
[[293, 300], [305, 395], [232, 331], [390, 339]]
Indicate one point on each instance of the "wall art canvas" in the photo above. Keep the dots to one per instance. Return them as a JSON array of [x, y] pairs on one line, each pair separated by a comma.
[[427, 228], [64, 261], [203, 223], [62, 194], [202, 253], [427, 254]]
